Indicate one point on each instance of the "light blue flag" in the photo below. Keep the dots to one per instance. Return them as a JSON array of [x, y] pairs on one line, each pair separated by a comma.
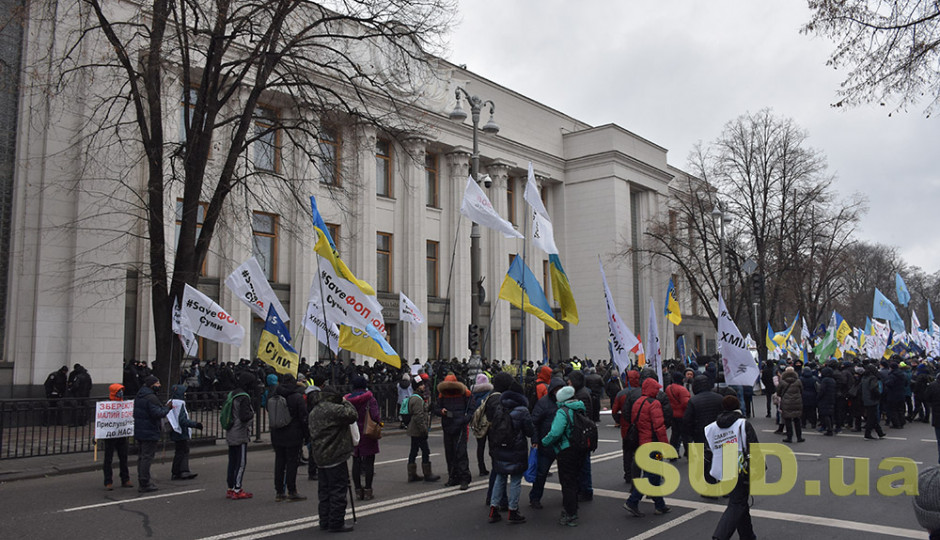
[[884, 309], [903, 295], [929, 318]]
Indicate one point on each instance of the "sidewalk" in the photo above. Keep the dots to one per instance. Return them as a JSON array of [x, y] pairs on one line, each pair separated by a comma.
[[30, 468]]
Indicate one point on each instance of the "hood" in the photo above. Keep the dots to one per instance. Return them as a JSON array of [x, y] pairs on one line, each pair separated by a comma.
[[404, 383], [700, 384], [358, 399], [651, 387], [647, 373], [790, 376], [553, 385], [286, 389], [633, 377], [247, 381], [452, 388], [113, 392], [576, 378], [510, 400], [177, 391], [573, 404], [726, 418], [826, 372], [482, 388], [270, 380], [545, 374], [327, 394]]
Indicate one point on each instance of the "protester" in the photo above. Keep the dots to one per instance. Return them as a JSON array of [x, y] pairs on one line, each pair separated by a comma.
[[116, 444], [288, 440], [56, 386], [238, 436], [731, 427], [418, 428], [404, 392], [871, 400], [570, 459], [826, 402], [364, 453], [620, 413], [931, 398], [332, 421], [543, 416], [678, 401], [180, 469], [790, 391], [478, 393], [509, 451], [453, 402], [648, 413], [148, 411]]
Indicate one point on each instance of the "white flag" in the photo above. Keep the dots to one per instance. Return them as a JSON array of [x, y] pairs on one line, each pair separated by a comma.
[[804, 332], [327, 333], [251, 287], [621, 337], [739, 366], [408, 312], [185, 333], [208, 319], [478, 208], [543, 234], [653, 356], [343, 301], [531, 194]]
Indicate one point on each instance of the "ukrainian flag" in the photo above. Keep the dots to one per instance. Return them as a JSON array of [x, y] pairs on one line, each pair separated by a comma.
[[672, 305], [521, 289], [561, 290], [370, 344], [781, 337], [769, 339], [274, 347]]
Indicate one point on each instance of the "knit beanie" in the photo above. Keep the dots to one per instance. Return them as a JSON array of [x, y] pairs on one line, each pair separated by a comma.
[[564, 394], [927, 501], [502, 381], [271, 379], [359, 382], [730, 403], [151, 380], [482, 378]]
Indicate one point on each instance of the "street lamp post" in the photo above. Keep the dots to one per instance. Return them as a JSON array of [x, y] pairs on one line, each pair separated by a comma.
[[721, 216], [458, 114]]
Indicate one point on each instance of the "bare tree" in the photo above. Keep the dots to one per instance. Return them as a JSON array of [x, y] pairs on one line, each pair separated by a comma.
[[787, 219], [891, 49], [184, 90]]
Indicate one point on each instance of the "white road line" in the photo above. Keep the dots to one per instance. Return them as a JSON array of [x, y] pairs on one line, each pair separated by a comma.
[[125, 501], [928, 440], [856, 457], [670, 524], [400, 460], [609, 440], [811, 454]]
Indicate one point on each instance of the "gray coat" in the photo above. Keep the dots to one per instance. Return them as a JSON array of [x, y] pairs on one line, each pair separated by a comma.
[[790, 391], [242, 416], [418, 409]]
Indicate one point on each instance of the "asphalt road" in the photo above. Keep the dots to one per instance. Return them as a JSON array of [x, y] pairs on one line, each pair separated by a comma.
[[75, 506]]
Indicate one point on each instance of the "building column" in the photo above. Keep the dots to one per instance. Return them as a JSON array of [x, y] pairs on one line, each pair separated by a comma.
[[498, 250], [458, 319], [414, 282]]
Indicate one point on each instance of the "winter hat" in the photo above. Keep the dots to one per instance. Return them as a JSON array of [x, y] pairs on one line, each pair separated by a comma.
[[859, 370], [451, 377], [482, 378], [564, 394], [359, 382], [271, 380], [927, 501], [151, 380], [730, 403], [502, 381]]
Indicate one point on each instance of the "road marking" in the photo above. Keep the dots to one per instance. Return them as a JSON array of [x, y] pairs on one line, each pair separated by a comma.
[[608, 440], [400, 460], [782, 516], [856, 457], [125, 501], [670, 524], [928, 440], [810, 454], [284, 527]]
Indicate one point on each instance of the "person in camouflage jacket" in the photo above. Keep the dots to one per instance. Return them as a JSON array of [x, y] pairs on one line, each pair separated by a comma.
[[332, 445]]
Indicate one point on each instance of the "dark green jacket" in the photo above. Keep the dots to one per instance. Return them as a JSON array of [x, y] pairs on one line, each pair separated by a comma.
[[329, 421]]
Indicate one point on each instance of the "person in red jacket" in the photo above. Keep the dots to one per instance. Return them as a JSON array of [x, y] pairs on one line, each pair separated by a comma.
[[678, 399], [619, 411], [542, 382], [648, 412]]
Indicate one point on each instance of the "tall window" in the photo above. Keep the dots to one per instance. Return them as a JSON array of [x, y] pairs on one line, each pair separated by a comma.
[[434, 341], [267, 140], [329, 143], [200, 218], [432, 262], [383, 256], [515, 350], [430, 169], [334, 234], [264, 242], [511, 200], [187, 111], [383, 168]]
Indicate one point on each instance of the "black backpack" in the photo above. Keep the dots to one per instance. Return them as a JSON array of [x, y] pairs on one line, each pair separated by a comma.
[[500, 433], [583, 433]]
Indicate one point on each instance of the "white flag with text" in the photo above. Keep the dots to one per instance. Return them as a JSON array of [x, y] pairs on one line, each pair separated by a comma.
[[739, 366], [479, 209], [207, 319], [250, 285], [621, 337], [408, 312]]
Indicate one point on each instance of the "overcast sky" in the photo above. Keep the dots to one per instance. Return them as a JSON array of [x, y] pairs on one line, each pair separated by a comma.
[[675, 72]]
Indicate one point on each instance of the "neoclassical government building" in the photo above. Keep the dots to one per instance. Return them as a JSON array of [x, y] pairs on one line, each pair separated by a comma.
[[399, 228]]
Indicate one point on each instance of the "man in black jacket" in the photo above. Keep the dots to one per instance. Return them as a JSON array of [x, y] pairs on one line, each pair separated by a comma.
[[288, 440], [147, 414], [543, 414], [932, 400], [704, 408]]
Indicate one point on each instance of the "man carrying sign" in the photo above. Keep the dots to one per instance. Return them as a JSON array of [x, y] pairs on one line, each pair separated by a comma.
[[116, 444]]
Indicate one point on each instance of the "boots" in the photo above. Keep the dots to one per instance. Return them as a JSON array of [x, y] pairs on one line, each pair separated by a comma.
[[516, 517], [428, 475], [413, 473], [367, 494], [360, 493], [494, 514]]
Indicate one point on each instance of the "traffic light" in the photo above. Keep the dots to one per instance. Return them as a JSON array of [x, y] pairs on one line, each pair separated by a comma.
[[757, 284], [473, 338]]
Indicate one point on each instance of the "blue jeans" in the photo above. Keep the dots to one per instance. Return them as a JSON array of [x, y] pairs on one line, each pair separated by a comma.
[[546, 458], [499, 489], [636, 496], [585, 487]]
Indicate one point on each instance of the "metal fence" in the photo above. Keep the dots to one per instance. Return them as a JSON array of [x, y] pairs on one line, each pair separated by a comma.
[[44, 427]]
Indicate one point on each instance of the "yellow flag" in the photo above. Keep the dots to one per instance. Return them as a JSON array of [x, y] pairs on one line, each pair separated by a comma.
[[355, 340]]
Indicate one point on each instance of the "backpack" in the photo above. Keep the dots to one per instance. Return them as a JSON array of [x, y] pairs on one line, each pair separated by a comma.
[[583, 434], [500, 433], [479, 423], [532, 394], [225, 415], [633, 432], [405, 411], [278, 413]]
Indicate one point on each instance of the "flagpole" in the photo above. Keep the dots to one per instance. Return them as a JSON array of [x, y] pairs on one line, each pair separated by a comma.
[[326, 325], [450, 276], [525, 241]]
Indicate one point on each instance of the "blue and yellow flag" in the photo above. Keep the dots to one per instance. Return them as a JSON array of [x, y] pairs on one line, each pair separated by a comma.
[[521, 289], [672, 305], [274, 347], [769, 339], [781, 337], [561, 290], [370, 344]]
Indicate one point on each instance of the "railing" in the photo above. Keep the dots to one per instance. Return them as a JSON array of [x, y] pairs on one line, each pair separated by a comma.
[[45, 427]]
